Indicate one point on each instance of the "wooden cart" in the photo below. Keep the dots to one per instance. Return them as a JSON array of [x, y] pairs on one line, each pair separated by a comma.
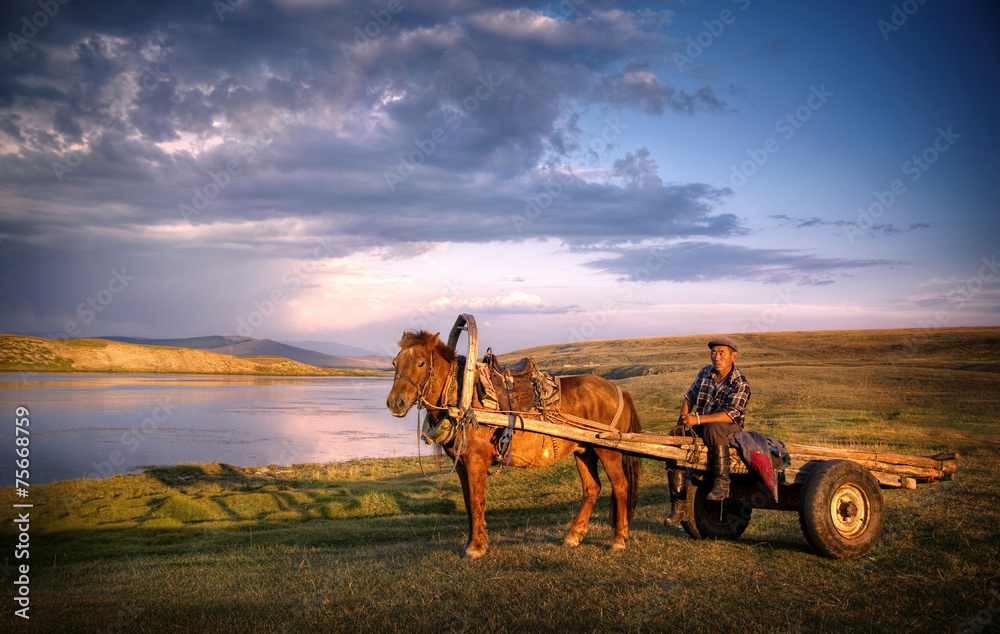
[[836, 492]]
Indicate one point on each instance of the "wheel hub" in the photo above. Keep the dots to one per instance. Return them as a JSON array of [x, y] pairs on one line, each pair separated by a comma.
[[849, 510]]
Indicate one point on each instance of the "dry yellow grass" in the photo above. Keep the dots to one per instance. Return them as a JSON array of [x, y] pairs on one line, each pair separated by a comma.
[[853, 387]]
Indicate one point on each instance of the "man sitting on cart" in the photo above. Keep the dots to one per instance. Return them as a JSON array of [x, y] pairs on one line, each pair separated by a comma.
[[713, 409]]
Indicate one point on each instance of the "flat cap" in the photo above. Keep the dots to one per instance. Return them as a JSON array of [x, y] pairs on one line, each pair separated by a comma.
[[724, 341]]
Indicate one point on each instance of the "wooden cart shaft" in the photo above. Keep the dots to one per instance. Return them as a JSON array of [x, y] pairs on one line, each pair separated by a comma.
[[891, 470]]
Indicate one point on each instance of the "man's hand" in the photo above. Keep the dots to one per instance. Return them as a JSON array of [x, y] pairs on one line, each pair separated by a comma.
[[690, 420]]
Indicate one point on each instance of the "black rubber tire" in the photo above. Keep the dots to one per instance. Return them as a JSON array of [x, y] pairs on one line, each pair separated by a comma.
[[703, 515], [841, 510]]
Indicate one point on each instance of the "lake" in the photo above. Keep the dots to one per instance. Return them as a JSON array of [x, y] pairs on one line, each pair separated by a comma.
[[97, 425]]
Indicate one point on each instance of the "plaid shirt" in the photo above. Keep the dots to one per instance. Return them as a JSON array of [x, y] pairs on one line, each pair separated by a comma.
[[729, 396]]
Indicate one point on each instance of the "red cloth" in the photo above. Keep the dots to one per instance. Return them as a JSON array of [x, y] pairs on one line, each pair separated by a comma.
[[761, 465]]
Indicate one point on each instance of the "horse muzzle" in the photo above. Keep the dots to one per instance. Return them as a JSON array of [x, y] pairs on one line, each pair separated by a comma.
[[398, 406]]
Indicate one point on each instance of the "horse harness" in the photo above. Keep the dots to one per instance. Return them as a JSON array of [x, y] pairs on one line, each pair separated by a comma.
[[543, 391], [443, 432]]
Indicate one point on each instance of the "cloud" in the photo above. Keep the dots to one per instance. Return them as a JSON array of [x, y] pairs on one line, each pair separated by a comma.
[[123, 116], [855, 228], [709, 261], [513, 303], [950, 296], [638, 170], [644, 92], [201, 150]]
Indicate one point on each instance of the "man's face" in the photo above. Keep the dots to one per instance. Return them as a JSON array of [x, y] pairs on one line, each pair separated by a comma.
[[722, 359]]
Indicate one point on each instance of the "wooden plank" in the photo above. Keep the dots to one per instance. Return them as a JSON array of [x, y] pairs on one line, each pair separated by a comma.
[[875, 456], [922, 473], [680, 450], [527, 423], [872, 465], [654, 439], [930, 467], [890, 480]]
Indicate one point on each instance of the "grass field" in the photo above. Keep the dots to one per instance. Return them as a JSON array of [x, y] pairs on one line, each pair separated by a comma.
[[374, 546]]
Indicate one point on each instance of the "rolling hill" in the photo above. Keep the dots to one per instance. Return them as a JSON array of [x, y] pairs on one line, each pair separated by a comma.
[[250, 347], [33, 354]]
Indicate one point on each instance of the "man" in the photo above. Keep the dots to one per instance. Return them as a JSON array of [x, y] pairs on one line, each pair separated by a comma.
[[713, 409]]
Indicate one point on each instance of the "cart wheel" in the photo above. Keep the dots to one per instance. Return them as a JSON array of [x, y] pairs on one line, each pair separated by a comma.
[[840, 510], [705, 522]]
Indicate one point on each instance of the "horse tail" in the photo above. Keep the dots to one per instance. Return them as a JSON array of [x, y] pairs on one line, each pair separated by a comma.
[[631, 463]]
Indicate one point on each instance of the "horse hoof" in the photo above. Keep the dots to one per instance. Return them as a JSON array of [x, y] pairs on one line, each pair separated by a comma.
[[472, 554], [616, 546], [570, 543]]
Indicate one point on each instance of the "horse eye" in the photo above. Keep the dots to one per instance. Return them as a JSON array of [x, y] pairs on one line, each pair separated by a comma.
[[421, 364]]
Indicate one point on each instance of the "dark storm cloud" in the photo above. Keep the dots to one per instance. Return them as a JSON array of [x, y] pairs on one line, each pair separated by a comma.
[[707, 261], [315, 109]]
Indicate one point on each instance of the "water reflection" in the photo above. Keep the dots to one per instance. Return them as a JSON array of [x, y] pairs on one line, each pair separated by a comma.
[[96, 425]]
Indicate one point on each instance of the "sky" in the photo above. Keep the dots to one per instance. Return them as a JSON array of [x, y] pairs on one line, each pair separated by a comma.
[[563, 171]]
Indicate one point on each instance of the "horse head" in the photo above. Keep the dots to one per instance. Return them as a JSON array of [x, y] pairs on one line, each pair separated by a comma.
[[423, 366]]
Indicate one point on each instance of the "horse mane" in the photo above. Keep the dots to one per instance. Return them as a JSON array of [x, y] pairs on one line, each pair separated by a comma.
[[429, 340]]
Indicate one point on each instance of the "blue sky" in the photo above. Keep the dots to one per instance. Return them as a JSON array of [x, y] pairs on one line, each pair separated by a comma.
[[561, 170]]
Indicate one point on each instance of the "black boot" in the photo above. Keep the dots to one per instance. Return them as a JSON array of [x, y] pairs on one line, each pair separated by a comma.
[[718, 465], [678, 497]]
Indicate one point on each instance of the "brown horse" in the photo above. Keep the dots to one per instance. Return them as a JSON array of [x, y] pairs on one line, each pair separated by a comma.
[[425, 367]]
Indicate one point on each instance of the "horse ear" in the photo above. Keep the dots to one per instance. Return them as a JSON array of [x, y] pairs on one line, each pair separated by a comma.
[[437, 337]]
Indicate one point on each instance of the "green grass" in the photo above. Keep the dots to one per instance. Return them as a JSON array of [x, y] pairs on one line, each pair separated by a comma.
[[374, 546]]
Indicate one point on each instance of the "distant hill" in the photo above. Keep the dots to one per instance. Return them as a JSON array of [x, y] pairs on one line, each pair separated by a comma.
[[197, 343], [332, 347], [250, 347], [259, 347], [34, 354]]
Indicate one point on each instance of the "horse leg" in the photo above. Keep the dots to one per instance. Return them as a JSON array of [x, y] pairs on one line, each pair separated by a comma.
[[612, 461], [472, 474], [586, 464]]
